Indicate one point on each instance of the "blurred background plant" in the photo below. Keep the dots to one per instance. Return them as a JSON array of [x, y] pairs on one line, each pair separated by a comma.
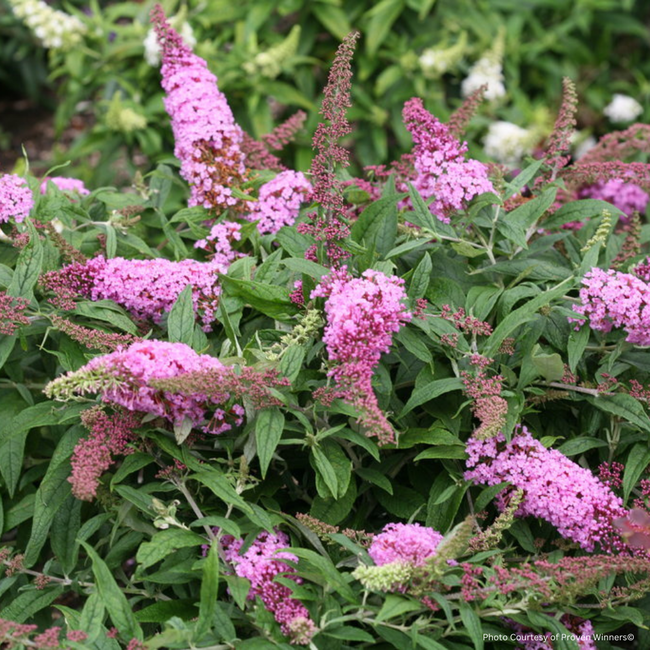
[[84, 75]]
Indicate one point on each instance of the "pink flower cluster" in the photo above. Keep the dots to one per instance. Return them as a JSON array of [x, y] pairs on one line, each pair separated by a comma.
[[65, 185], [440, 164], [555, 488], [207, 137], [260, 564], [149, 288], [410, 543], [627, 197], [16, 199], [362, 316], [12, 313], [615, 299], [220, 240], [279, 201], [134, 367], [109, 436]]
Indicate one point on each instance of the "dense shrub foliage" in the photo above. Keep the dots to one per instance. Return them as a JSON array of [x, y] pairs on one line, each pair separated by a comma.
[[244, 406]]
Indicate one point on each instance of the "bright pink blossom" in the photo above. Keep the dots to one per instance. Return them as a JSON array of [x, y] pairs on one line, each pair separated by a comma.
[[149, 288], [279, 201], [65, 185], [627, 197], [362, 316], [207, 137], [440, 164], [260, 564], [410, 543], [615, 299], [124, 379], [16, 200], [555, 489]]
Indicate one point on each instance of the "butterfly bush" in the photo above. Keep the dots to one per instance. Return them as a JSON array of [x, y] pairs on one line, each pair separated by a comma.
[[209, 143], [122, 377], [615, 299], [149, 288], [16, 200], [207, 138], [440, 164], [556, 489], [260, 564], [362, 316]]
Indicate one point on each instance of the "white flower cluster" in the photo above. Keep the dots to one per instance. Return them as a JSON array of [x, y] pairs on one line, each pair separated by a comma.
[[55, 29], [623, 108], [152, 49], [487, 71], [508, 143]]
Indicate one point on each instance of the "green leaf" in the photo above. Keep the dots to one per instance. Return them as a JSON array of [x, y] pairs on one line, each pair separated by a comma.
[[472, 625], [333, 18], [28, 268], [580, 445], [305, 267], [132, 463], [415, 344], [180, 324], [7, 344], [292, 361], [325, 470], [108, 312], [376, 477], [326, 573], [28, 603], [50, 496], [270, 299], [576, 345], [113, 598], [209, 591], [430, 391], [92, 617], [623, 406], [522, 219], [162, 611], [334, 511], [269, 425], [377, 225], [420, 278], [481, 300], [382, 16], [487, 495], [444, 451], [523, 314], [549, 366], [395, 606], [579, 211], [164, 543], [522, 178], [218, 484], [421, 216], [637, 462]]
